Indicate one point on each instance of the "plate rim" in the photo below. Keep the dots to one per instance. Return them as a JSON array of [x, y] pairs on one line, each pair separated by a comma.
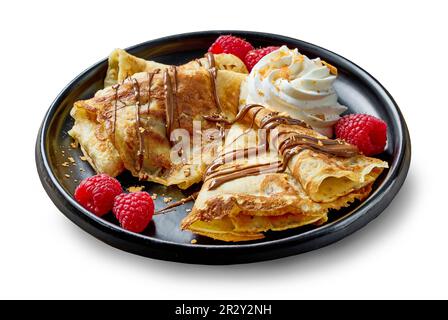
[[327, 233]]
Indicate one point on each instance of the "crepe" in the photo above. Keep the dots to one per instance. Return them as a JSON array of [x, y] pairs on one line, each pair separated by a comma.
[[122, 65], [114, 138], [96, 147], [312, 183], [326, 175]]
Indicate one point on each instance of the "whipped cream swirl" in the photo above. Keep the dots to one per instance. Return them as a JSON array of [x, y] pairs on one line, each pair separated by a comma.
[[287, 81]]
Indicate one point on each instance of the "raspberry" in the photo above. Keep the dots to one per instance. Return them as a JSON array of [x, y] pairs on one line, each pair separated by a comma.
[[366, 132], [231, 44], [134, 210], [97, 193], [253, 56]]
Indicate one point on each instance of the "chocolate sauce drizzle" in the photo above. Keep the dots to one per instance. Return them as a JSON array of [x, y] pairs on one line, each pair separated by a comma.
[[138, 124], [241, 114], [140, 151], [248, 129], [222, 176], [211, 60], [173, 205], [124, 105], [273, 120], [231, 155], [170, 98], [213, 76], [114, 114], [334, 147], [292, 145], [198, 61]]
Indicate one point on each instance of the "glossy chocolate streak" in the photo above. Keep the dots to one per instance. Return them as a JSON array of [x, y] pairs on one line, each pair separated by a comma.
[[329, 146], [117, 99], [288, 154], [248, 129], [245, 171], [174, 70], [170, 103], [177, 203], [136, 88], [139, 128], [333, 147], [241, 114], [114, 114], [231, 155], [213, 76], [211, 60], [273, 120], [175, 90], [150, 77]]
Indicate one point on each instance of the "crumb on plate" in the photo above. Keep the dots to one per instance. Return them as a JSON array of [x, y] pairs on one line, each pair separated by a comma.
[[135, 188]]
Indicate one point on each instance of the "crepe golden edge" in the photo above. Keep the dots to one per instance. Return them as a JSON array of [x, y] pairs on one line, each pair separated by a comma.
[[229, 227]]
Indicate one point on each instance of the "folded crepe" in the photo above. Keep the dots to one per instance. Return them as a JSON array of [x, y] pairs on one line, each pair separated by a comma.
[[128, 125], [292, 181], [123, 65]]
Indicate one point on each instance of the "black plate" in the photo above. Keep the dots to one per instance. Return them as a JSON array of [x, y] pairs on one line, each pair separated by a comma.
[[163, 239]]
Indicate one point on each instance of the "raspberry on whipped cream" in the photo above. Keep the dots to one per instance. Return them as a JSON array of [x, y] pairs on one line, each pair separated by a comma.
[[287, 81]]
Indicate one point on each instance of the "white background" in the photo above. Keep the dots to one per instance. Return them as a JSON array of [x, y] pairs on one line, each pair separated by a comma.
[[402, 254]]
